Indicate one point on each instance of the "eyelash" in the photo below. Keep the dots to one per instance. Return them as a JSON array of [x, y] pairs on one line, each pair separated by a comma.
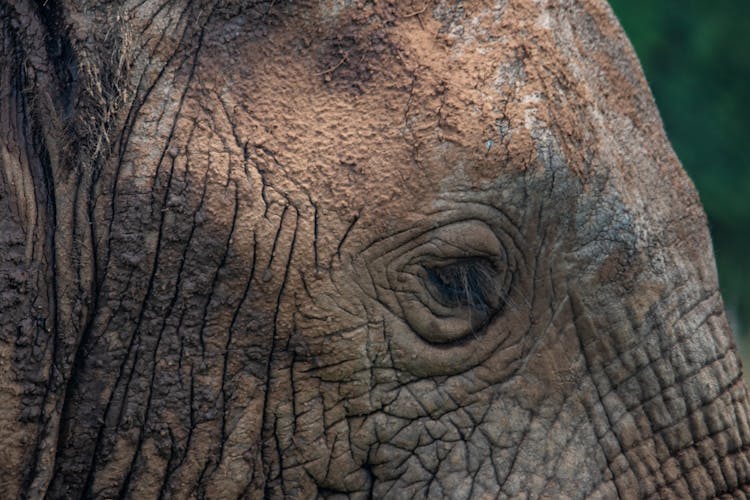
[[463, 283]]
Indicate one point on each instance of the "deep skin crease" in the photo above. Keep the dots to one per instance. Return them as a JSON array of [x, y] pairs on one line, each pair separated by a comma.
[[341, 249]]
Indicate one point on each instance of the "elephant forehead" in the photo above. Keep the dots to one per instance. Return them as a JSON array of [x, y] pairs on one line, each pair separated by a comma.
[[462, 96], [347, 143]]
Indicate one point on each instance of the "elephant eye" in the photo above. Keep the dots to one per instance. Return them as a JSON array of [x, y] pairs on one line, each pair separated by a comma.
[[452, 281], [467, 282]]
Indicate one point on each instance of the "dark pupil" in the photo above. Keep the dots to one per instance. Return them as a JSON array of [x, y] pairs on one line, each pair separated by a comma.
[[461, 284]]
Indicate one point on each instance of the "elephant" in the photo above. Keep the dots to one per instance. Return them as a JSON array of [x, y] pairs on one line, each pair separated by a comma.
[[339, 249]]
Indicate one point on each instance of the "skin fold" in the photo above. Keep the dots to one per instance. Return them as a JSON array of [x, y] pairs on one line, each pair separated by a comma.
[[351, 250]]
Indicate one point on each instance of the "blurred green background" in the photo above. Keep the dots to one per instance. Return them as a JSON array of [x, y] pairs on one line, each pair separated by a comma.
[[696, 56]]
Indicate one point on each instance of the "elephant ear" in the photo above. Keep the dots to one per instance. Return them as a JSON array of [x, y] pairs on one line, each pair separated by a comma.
[[141, 312], [37, 329], [49, 140]]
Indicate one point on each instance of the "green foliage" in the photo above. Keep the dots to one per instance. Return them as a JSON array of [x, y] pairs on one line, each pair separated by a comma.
[[696, 56]]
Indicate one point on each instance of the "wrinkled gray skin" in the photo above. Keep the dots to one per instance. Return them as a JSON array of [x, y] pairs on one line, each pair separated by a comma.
[[339, 249]]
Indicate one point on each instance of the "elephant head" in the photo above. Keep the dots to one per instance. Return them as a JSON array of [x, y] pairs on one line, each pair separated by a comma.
[[351, 249]]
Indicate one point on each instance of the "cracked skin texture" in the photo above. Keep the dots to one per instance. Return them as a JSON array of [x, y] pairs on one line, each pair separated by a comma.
[[223, 268]]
